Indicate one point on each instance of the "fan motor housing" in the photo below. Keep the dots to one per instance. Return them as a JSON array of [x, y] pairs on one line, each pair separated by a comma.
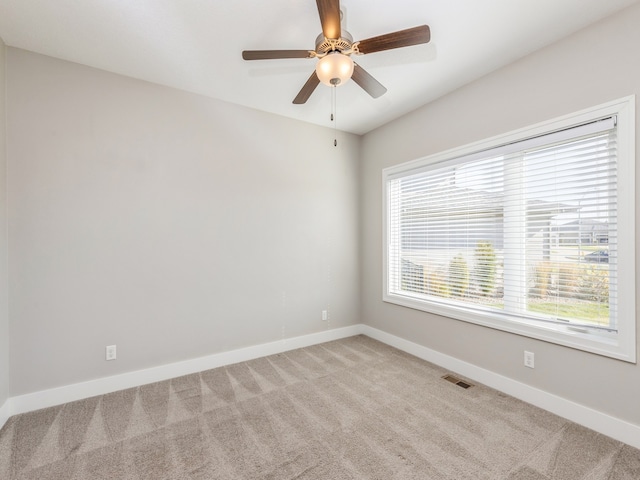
[[325, 45]]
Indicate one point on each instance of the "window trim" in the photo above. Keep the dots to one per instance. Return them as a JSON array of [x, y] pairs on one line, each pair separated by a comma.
[[620, 345]]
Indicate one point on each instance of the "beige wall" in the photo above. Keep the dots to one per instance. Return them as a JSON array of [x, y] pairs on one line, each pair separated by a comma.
[[594, 66], [4, 309], [169, 224]]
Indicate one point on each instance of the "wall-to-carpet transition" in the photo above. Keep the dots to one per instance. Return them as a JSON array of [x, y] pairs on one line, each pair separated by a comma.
[[349, 409]]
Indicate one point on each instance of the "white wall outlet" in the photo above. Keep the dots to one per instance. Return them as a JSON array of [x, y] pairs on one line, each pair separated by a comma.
[[325, 315], [110, 352], [529, 359]]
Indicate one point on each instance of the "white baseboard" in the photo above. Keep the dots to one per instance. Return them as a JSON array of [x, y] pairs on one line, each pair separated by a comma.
[[601, 422], [100, 386], [621, 430], [5, 412]]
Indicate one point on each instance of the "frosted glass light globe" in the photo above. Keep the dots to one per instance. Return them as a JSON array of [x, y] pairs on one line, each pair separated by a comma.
[[334, 69]]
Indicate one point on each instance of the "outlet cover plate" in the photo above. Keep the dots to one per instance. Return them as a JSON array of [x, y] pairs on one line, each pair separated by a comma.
[[110, 352], [529, 359]]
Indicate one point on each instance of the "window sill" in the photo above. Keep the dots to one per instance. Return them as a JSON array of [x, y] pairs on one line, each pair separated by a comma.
[[601, 343]]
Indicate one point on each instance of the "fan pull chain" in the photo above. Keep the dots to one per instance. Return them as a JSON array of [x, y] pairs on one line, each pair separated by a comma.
[[333, 116]]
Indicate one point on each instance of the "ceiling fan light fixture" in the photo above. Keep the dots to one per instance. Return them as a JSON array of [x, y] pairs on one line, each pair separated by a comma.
[[335, 69]]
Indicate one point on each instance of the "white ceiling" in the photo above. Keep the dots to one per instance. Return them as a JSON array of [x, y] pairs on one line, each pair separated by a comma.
[[196, 45]]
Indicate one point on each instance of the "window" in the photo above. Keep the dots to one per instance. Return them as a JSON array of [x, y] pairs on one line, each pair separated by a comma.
[[531, 232]]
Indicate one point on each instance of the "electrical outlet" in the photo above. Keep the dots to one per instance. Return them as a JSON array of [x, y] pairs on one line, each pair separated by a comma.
[[529, 359], [110, 352], [325, 315]]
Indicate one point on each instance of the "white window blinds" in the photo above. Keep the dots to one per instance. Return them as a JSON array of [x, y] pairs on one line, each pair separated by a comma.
[[527, 231]]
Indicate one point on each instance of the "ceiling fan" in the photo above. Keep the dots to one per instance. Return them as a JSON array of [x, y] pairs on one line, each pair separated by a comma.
[[334, 48]]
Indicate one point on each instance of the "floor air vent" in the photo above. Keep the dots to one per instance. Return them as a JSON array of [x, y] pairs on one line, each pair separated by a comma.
[[457, 381]]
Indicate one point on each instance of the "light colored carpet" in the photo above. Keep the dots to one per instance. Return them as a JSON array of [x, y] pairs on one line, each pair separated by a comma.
[[349, 409]]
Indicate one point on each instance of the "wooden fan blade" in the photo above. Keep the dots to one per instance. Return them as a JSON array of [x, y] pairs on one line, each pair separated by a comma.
[[307, 90], [402, 38], [274, 54], [329, 11], [367, 82]]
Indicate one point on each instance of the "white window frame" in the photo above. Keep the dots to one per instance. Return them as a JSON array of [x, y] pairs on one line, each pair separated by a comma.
[[621, 344]]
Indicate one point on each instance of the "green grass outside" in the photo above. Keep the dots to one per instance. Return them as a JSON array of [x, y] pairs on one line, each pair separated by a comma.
[[591, 312]]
